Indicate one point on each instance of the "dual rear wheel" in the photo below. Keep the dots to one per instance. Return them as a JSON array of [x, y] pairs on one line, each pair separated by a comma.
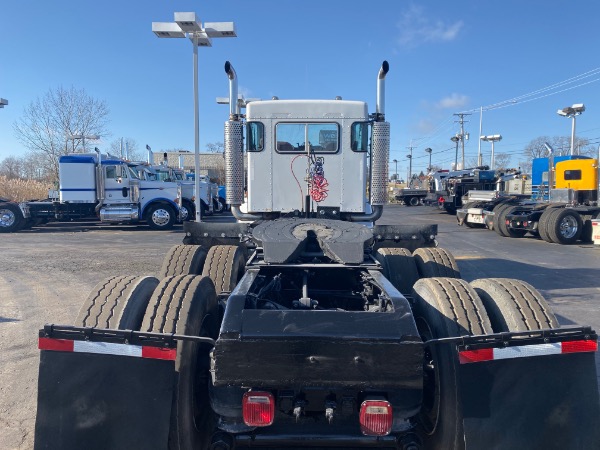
[[450, 307]]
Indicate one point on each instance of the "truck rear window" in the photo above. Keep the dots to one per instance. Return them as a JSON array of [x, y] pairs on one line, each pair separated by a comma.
[[292, 137]]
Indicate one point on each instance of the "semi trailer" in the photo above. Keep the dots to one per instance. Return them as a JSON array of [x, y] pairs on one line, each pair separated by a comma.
[[307, 324], [566, 217], [94, 186]]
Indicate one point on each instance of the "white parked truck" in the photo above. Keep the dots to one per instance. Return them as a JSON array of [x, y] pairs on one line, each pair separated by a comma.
[[95, 187], [164, 173], [305, 324]]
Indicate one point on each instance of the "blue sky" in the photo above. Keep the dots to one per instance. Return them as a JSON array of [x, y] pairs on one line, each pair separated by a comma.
[[445, 57]]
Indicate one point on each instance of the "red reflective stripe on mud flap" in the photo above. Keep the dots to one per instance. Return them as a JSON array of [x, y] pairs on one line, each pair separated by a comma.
[[579, 346], [60, 345], [469, 356], [159, 353], [66, 345], [489, 354]]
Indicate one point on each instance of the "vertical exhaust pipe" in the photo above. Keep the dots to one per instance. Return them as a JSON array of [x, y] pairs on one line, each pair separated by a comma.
[[234, 157], [234, 109], [380, 141], [380, 105], [181, 161]]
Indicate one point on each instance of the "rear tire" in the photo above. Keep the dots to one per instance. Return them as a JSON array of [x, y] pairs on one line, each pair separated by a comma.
[[187, 305], [499, 225], [543, 224], [565, 226], [513, 305], [11, 218], [399, 267], [117, 303], [414, 201], [436, 262], [225, 265], [183, 260], [444, 307]]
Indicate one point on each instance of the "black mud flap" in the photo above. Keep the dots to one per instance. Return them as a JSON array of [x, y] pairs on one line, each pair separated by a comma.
[[536, 402], [103, 401]]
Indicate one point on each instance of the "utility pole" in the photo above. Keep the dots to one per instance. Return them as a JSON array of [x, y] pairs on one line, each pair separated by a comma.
[[462, 134]]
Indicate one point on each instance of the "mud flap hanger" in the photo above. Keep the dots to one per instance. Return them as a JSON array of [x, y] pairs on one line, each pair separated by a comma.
[[118, 336], [533, 389]]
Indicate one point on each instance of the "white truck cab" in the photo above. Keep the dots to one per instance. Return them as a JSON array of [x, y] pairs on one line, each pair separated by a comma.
[[310, 158]]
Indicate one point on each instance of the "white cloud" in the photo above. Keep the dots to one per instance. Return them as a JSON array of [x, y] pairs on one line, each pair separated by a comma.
[[453, 101], [416, 29]]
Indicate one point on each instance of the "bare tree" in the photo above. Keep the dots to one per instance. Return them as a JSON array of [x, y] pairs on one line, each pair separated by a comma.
[[501, 160], [560, 144], [127, 148], [215, 147], [11, 167], [47, 123]]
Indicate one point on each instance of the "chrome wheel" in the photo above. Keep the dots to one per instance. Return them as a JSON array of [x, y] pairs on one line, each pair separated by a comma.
[[568, 227], [7, 218], [161, 217]]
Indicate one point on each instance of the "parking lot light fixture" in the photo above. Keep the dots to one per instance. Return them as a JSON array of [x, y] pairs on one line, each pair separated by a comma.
[[186, 24], [492, 138], [572, 112], [429, 150], [3, 102], [82, 138], [455, 139]]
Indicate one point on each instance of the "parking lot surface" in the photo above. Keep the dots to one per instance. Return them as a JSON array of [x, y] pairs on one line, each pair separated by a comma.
[[47, 272]]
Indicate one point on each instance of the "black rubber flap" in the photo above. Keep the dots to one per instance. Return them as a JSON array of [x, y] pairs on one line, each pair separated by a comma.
[[542, 402], [284, 239], [91, 401]]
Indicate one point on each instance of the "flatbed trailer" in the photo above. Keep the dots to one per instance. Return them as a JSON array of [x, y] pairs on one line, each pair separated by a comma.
[[410, 196]]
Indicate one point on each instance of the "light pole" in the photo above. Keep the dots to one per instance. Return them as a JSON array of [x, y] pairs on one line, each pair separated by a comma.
[[428, 150], [82, 137], [455, 139], [572, 111], [492, 138], [186, 25], [396, 173], [409, 182]]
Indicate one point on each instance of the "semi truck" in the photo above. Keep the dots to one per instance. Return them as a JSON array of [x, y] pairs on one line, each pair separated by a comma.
[[480, 206], [456, 184], [164, 173], [307, 324], [94, 186], [573, 202]]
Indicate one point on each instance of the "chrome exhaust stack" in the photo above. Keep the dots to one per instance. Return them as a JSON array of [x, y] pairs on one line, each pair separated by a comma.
[[234, 156], [380, 105], [380, 150]]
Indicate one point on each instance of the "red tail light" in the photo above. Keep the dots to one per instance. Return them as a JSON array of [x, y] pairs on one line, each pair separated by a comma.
[[375, 418], [258, 409]]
